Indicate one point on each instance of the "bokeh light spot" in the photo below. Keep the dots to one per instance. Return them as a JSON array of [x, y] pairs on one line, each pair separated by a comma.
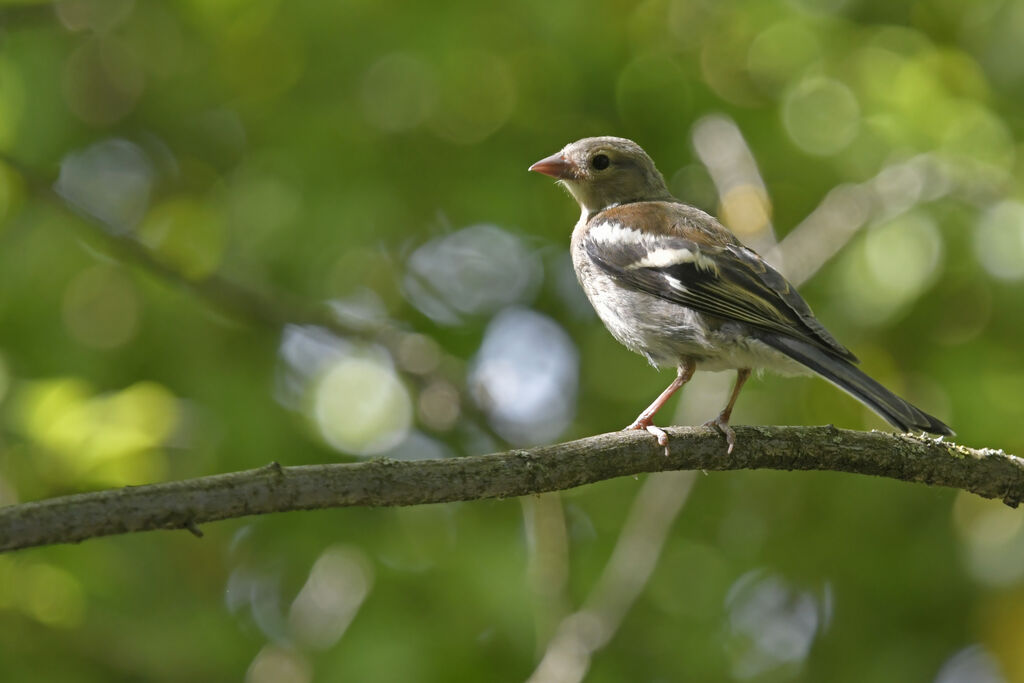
[[51, 595], [993, 537], [360, 405], [973, 664], [723, 64], [101, 308], [399, 92], [110, 180], [903, 253], [277, 664], [773, 624], [476, 270], [914, 91], [894, 263], [525, 376], [418, 354], [261, 56], [477, 97], [261, 204], [306, 353], [438, 406], [821, 115], [999, 240], [107, 438], [779, 52], [186, 233], [746, 210], [338, 584], [975, 133], [103, 81]]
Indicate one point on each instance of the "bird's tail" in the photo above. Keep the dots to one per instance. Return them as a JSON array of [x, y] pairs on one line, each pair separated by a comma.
[[897, 412]]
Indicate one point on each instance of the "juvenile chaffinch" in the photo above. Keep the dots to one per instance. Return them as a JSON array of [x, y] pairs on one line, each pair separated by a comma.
[[674, 285]]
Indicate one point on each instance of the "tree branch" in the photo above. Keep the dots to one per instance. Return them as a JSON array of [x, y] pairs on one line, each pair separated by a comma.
[[379, 483], [272, 310]]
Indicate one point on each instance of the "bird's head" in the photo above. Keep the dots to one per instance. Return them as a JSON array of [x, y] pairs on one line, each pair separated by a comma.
[[604, 172]]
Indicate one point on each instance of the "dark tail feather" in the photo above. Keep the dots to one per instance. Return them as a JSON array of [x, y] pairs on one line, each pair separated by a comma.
[[843, 374]]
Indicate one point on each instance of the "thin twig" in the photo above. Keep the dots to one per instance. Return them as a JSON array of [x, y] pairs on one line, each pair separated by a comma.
[[547, 568], [269, 310], [582, 633]]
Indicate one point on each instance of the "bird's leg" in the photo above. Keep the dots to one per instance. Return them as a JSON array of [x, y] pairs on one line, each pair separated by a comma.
[[644, 420], [721, 423]]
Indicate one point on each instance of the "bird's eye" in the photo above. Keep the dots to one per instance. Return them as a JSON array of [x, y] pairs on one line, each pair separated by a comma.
[[600, 161]]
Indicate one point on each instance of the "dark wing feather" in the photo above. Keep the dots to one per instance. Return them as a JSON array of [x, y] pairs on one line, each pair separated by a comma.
[[725, 280], [772, 280]]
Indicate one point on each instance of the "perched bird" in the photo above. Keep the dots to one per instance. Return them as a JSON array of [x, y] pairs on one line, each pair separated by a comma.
[[674, 285]]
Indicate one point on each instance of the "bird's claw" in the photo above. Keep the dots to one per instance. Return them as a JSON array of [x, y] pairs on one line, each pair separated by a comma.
[[657, 432], [660, 434], [723, 427]]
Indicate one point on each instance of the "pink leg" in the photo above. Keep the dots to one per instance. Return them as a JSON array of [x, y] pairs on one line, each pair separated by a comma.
[[721, 423], [645, 419]]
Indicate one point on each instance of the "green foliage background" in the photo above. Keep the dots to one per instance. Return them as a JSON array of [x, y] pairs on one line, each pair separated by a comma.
[[312, 149]]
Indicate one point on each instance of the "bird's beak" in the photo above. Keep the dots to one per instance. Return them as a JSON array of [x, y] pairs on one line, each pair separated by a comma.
[[556, 166]]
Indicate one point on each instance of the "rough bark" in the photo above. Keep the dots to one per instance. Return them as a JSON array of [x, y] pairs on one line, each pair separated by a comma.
[[379, 483]]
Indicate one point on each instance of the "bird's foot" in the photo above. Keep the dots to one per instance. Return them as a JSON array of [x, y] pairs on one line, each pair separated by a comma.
[[657, 432], [722, 425]]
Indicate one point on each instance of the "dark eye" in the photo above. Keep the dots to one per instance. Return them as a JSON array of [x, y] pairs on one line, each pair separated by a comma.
[[600, 161]]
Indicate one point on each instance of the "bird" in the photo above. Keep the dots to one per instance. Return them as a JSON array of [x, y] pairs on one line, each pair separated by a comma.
[[674, 285]]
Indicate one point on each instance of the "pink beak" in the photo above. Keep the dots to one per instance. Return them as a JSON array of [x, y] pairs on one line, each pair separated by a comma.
[[556, 166]]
